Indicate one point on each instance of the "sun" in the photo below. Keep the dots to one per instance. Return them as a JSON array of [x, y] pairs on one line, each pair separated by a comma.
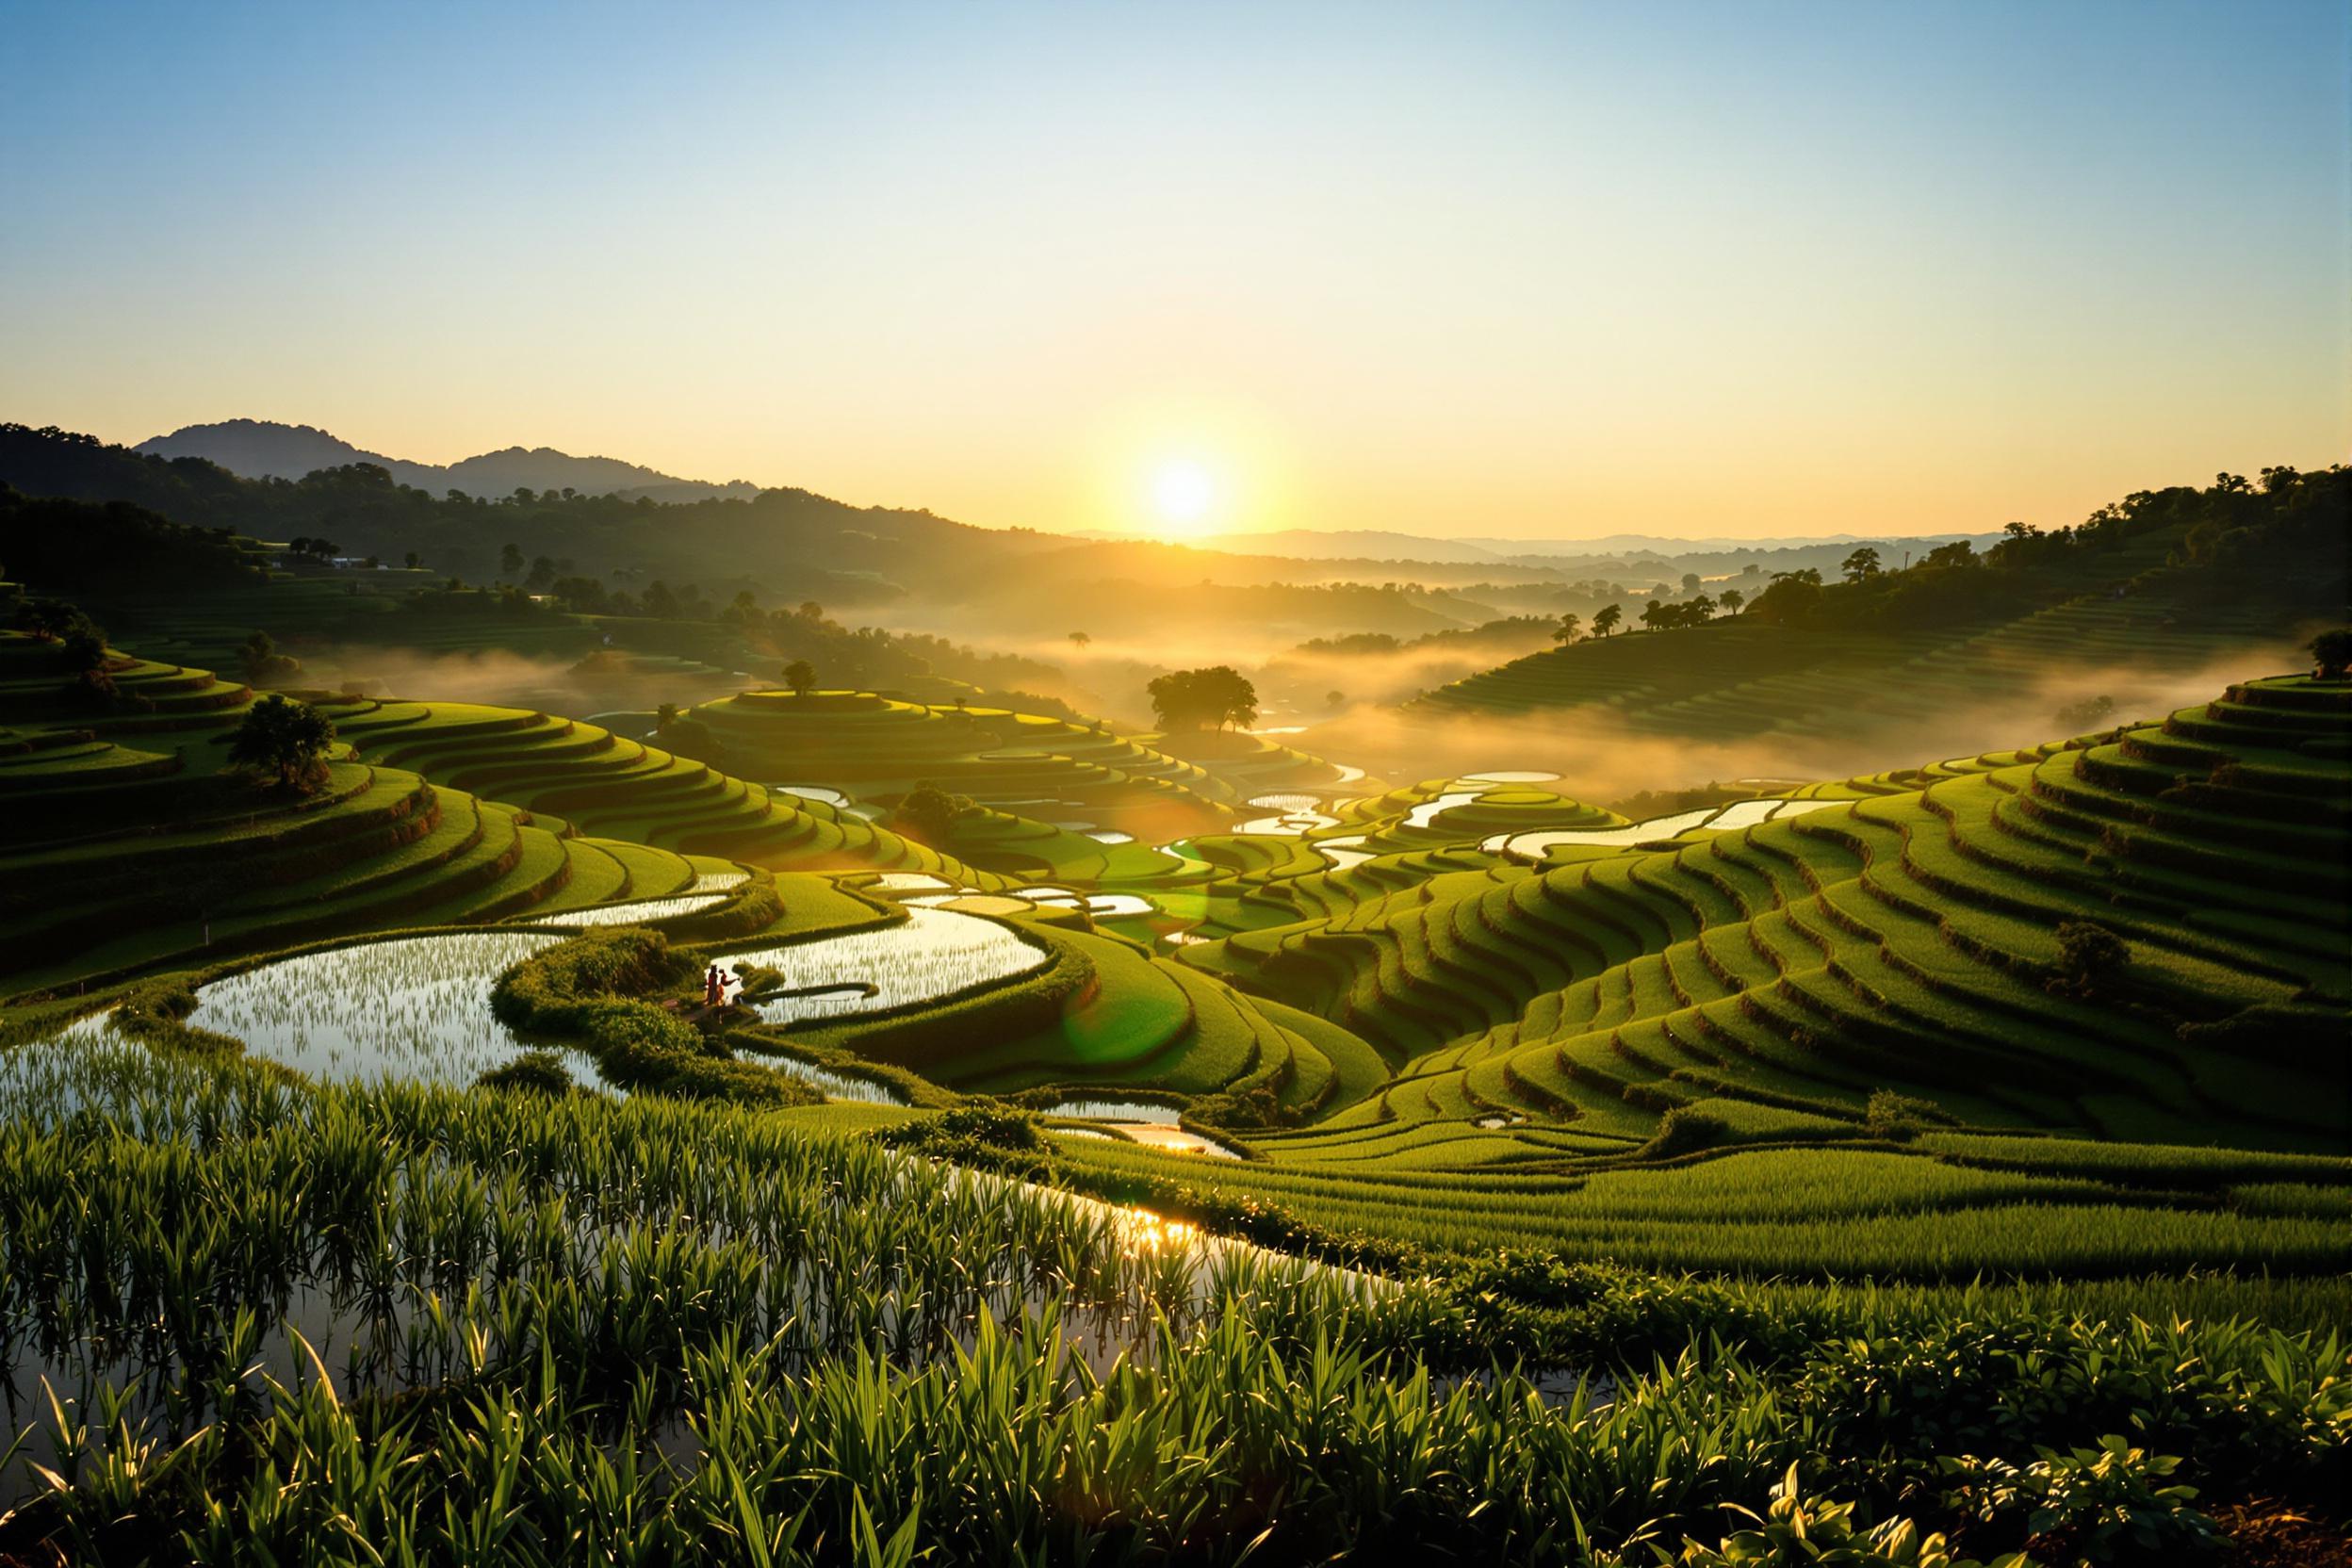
[[1183, 492]]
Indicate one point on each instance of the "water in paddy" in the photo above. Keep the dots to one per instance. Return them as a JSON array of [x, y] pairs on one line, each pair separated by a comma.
[[632, 912], [413, 1010], [1533, 846], [1140, 1121], [402, 1306], [932, 954]]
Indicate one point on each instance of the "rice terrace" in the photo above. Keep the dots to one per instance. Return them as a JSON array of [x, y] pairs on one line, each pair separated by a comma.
[[1609, 822]]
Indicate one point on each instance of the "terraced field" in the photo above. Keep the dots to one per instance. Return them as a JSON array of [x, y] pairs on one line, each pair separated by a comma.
[[575, 775], [1469, 1006], [128, 847], [1032, 765], [1769, 979]]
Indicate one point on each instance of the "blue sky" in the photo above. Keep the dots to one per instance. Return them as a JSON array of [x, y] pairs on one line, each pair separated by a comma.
[[1485, 270]]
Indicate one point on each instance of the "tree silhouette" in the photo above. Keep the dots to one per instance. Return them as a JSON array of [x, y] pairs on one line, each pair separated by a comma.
[[1861, 565], [665, 716], [2331, 653], [801, 676], [1566, 631], [1192, 699], [286, 740], [1605, 621], [510, 559], [1731, 599]]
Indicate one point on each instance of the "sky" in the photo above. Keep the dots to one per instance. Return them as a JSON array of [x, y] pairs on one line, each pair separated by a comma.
[[1540, 271]]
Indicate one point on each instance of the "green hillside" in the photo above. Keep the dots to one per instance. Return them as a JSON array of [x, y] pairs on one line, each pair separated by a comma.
[[1766, 983], [2167, 582]]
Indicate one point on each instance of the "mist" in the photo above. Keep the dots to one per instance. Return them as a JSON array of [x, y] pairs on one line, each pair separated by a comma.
[[572, 688], [1601, 759]]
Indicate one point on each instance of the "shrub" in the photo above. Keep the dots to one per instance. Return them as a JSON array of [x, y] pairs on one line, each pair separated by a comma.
[[1813, 1532], [1901, 1117], [591, 988], [985, 1137], [2107, 1504], [532, 1072], [1683, 1131], [2088, 954]]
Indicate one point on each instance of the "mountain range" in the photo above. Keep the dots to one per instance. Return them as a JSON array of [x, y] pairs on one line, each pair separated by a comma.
[[263, 448]]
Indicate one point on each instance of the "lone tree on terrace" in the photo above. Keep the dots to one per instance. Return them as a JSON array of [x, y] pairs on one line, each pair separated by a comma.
[[1566, 631], [1196, 699], [2331, 653], [928, 814], [801, 676], [286, 739]]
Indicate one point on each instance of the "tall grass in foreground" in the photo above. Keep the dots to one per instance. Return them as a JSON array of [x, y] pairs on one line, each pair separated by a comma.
[[242, 1319]]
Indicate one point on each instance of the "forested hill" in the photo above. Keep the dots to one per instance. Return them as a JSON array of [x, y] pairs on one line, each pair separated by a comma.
[[263, 448], [845, 554]]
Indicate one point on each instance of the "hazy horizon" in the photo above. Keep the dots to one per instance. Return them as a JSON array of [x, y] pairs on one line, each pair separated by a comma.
[[1512, 272]]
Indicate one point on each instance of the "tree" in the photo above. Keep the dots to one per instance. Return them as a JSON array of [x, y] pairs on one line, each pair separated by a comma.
[[510, 559], [412, 561], [1605, 621], [1079, 639], [1566, 631], [1691, 582], [928, 813], [1192, 699], [1731, 599], [1861, 565], [83, 653], [1333, 698], [286, 740], [1654, 616], [2331, 653], [50, 620], [260, 663], [665, 716], [801, 676], [1959, 553], [542, 573], [2078, 717], [2088, 953]]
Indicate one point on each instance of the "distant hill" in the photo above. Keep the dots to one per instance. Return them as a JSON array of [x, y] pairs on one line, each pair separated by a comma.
[[263, 448]]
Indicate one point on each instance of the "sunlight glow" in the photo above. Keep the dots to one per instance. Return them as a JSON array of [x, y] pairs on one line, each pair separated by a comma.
[[1183, 492]]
